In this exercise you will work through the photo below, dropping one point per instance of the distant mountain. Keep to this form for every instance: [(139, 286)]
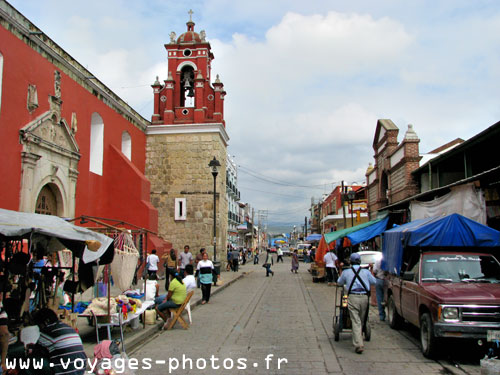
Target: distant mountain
[(279, 229)]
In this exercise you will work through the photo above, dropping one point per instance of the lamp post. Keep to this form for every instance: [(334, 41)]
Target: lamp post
[(350, 196), (214, 166)]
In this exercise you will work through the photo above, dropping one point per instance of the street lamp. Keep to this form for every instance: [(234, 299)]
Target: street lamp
[(351, 194), (214, 166)]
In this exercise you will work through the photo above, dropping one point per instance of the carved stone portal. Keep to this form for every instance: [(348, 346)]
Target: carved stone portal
[(50, 158)]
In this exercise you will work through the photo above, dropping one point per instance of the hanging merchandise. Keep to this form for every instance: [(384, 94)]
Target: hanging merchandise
[(124, 261)]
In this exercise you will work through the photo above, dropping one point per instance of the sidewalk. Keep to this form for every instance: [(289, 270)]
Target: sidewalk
[(134, 337)]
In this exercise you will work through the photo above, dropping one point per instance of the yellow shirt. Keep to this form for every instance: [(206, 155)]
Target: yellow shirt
[(178, 291)]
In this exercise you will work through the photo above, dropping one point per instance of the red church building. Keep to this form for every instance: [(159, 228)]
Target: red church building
[(70, 146)]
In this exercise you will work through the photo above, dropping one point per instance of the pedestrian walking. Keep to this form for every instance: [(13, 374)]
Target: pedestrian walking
[(229, 265), (170, 263), (280, 255), (256, 257), (295, 261), (268, 263), (307, 258), (205, 272), (379, 288), (312, 255), (198, 258), (357, 280), (152, 261), (331, 269), (243, 255), (235, 260), (185, 258)]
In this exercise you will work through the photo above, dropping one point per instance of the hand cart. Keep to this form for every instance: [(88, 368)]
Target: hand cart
[(341, 319)]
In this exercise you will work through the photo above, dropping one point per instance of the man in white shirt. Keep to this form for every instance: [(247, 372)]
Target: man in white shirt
[(331, 269), (185, 258), (189, 280), (152, 262)]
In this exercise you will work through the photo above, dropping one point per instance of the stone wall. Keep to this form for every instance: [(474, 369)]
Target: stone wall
[(177, 166)]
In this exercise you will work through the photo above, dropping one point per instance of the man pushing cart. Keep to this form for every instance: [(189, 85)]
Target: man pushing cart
[(358, 282)]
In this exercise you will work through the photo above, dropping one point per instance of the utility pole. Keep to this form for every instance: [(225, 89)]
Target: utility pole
[(342, 194), (261, 216), (305, 228)]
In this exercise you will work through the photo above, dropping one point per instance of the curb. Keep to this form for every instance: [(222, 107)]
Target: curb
[(148, 334)]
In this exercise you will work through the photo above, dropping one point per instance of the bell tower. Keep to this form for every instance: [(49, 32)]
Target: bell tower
[(187, 131), (186, 96)]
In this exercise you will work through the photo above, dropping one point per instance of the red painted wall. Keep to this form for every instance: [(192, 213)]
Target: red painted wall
[(122, 192)]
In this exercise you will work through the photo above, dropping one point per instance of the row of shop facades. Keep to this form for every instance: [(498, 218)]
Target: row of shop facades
[(460, 176), (71, 147)]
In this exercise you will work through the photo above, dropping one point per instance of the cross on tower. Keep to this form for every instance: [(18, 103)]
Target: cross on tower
[(190, 15)]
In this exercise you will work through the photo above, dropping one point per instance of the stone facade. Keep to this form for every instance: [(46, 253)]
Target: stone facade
[(177, 167)]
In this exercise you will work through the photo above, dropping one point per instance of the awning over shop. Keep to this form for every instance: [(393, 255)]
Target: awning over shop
[(368, 232), (314, 237), (363, 236), (452, 230), (15, 224)]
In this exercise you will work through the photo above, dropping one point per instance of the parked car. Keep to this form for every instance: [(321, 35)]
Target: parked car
[(302, 249), (286, 251), (369, 257)]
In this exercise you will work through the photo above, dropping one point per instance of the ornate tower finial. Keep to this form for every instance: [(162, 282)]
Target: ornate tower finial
[(190, 15)]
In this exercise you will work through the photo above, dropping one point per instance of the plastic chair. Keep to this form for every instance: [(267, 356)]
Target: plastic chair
[(188, 310)]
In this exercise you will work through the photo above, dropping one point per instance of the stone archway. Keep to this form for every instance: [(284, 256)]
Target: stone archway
[(49, 162), (47, 201)]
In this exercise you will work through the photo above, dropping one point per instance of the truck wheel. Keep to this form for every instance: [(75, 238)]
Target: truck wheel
[(395, 319), (427, 338)]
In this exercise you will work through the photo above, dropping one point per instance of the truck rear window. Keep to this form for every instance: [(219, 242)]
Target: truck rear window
[(460, 268)]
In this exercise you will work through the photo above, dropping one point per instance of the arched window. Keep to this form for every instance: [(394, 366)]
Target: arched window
[(127, 145), (96, 144), (1, 76), (187, 86)]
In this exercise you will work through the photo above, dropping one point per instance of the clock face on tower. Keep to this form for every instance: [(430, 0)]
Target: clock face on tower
[(163, 98), (210, 97)]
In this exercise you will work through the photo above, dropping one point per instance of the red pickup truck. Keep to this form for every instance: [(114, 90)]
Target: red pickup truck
[(448, 294)]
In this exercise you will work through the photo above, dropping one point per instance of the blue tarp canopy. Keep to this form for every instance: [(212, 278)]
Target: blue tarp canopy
[(369, 232), (452, 230), (314, 237), (333, 236)]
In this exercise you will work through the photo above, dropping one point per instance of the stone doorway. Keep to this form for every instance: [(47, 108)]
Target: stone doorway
[(46, 202)]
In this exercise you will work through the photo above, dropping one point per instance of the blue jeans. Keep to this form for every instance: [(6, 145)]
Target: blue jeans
[(379, 289), (268, 269), (255, 259)]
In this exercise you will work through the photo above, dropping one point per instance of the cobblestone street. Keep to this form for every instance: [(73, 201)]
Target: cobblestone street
[(286, 319)]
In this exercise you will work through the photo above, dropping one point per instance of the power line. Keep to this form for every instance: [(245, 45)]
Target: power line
[(278, 182), (268, 192)]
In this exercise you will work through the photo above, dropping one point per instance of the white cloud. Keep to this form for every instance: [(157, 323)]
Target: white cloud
[(305, 81)]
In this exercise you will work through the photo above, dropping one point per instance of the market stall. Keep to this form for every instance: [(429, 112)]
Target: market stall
[(343, 241), (43, 256)]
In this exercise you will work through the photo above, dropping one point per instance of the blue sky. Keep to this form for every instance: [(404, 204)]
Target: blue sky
[(306, 81)]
